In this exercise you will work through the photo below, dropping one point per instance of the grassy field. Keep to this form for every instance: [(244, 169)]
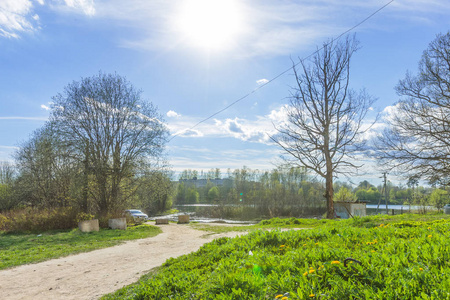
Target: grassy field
[(18, 249), (379, 257)]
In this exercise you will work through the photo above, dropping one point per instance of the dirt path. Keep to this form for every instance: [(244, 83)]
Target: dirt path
[(93, 274)]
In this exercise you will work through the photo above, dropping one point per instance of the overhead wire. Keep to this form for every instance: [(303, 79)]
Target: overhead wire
[(284, 72)]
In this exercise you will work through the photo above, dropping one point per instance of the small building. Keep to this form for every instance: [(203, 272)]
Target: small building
[(346, 210)]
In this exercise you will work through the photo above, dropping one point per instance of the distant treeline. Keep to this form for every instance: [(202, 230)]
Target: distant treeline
[(288, 191)]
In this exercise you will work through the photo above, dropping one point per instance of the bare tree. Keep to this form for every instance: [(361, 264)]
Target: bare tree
[(418, 138), (112, 131), (325, 117), (45, 170)]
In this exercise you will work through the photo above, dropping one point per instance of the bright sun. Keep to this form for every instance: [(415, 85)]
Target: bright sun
[(209, 24)]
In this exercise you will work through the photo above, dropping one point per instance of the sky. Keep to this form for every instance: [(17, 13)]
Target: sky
[(193, 58)]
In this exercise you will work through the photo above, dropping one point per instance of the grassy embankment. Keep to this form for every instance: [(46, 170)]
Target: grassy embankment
[(400, 257), (23, 248)]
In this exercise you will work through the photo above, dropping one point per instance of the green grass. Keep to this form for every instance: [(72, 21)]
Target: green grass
[(396, 257), (19, 249)]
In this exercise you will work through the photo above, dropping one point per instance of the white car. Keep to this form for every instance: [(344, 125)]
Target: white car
[(136, 214)]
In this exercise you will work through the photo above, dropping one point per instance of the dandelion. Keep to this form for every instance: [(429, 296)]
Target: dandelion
[(421, 269), (311, 271), (306, 273), (335, 262), (429, 227), (284, 298), (311, 295), (282, 246), (278, 296), (317, 243), (429, 235), (373, 251)]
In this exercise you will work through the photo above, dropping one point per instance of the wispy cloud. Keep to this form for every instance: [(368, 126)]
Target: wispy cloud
[(15, 17), (9, 147), (262, 81), (205, 159), (18, 16), (25, 118), (270, 28)]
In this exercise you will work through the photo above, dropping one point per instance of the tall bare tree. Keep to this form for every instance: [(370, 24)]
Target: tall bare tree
[(325, 117), (45, 170), (112, 130), (418, 138)]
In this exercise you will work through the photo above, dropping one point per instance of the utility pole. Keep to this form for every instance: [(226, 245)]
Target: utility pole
[(385, 192)]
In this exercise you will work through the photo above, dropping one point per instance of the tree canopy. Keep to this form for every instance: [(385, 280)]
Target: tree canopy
[(418, 138)]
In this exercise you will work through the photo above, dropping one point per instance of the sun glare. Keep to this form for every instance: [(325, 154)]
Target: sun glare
[(209, 23)]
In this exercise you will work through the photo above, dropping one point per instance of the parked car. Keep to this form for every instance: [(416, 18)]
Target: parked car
[(136, 215)]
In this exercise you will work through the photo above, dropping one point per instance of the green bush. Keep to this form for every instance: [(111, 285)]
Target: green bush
[(38, 220), (82, 216)]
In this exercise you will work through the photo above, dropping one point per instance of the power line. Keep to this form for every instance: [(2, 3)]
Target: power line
[(285, 71)]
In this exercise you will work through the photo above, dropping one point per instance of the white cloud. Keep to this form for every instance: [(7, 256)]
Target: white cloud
[(258, 131), (25, 118), (14, 17), (45, 107), (262, 81), (189, 133), (86, 6), (173, 114), (17, 16)]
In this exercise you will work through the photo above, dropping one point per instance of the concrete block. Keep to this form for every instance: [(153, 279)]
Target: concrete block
[(183, 219), (89, 225), (120, 223), (162, 221)]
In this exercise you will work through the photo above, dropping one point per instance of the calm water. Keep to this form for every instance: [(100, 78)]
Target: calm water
[(398, 207), (202, 213), (210, 213)]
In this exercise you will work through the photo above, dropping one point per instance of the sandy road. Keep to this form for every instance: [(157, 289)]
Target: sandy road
[(93, 274)]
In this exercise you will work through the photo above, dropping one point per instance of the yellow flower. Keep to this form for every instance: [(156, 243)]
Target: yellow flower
[(284, 298), (335, 262), (306, 273), (429, 235), (317, 243), (278, 296), (311, 295), (311, 271), (311, 268), (429, 227), (421, 269), (282, 246), (304, 245), (373, 251)]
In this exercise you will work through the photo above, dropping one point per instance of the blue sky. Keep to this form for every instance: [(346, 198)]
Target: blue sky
[(192, 58)]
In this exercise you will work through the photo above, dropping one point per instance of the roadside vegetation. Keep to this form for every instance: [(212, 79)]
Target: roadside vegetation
[(24, 248), (377, 257)]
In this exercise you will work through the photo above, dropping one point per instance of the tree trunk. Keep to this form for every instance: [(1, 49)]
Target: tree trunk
[(329, 195)]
